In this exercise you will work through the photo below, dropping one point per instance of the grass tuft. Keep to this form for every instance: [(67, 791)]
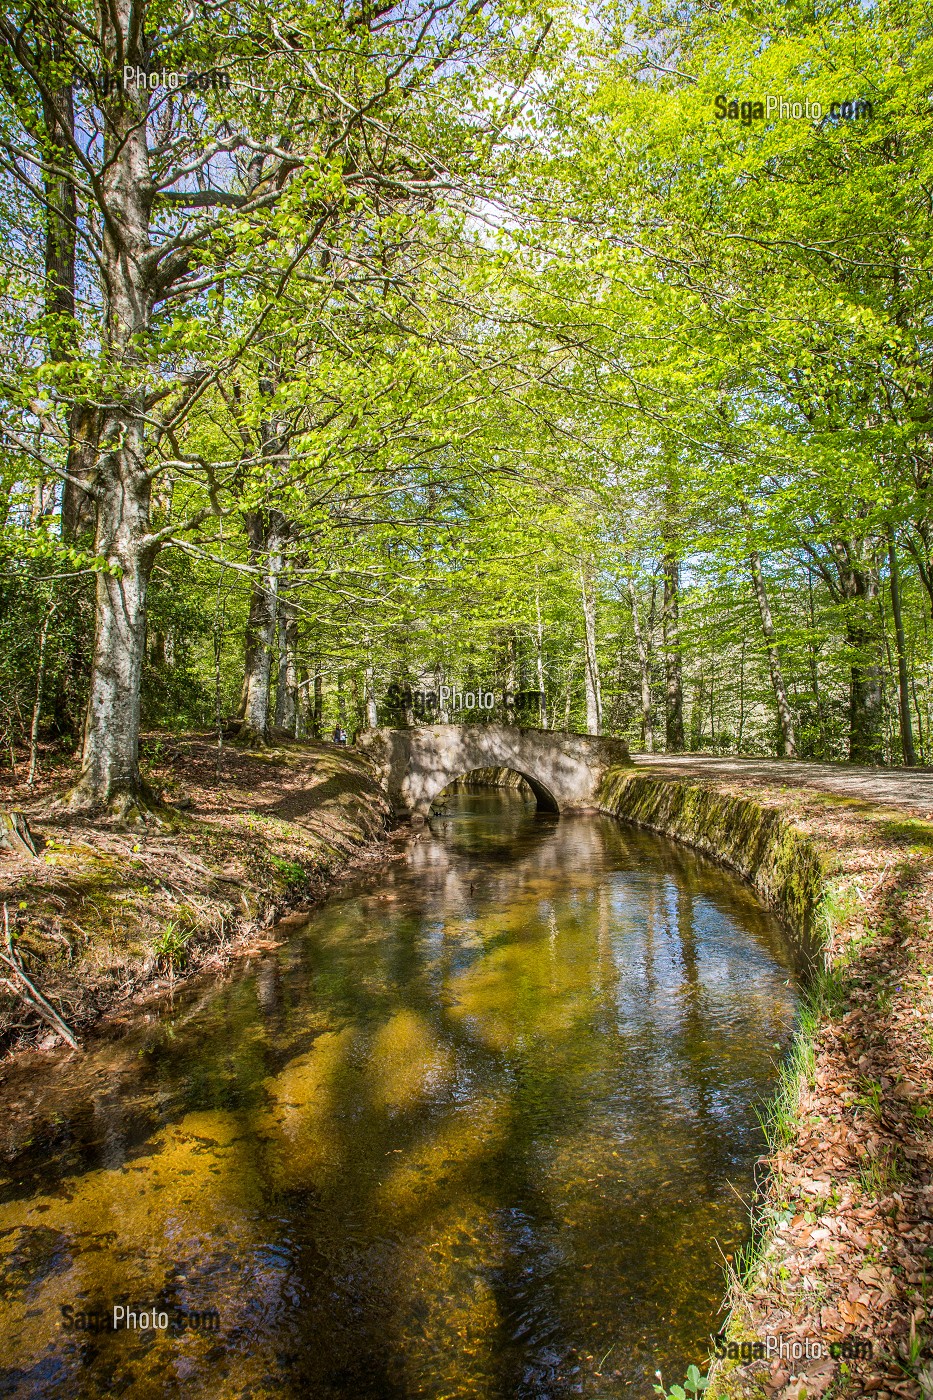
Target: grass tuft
[(171, 946)]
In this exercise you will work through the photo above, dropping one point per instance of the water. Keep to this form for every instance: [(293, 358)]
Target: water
[(483, 1126)]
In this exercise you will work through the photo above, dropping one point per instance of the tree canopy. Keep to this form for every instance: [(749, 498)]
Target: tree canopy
[(354, 351)]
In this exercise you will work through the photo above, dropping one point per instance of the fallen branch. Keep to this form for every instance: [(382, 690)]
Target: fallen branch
[(30, 994)]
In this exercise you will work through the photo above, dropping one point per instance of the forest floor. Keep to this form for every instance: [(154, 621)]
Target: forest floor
[(106, 917), (843, 1247)]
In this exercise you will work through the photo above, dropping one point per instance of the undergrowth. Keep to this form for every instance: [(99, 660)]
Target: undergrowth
[(171, 946), (294, 875)]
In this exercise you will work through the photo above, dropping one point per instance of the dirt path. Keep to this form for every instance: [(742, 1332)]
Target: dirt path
[(909, 790)]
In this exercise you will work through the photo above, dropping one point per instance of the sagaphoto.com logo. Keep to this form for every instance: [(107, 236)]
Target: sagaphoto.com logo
[(770, 108), (135, 79)]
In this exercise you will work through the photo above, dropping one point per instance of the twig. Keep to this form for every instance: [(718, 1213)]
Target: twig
[(33, 997)]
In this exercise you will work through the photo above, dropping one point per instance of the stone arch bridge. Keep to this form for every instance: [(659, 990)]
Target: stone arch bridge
[(564, 771)]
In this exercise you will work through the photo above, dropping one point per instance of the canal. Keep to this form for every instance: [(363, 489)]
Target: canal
[(484, 1125)]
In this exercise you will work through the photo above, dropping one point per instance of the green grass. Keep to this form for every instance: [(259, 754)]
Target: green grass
[(914, 832), (778, 1119), (881, 1173), (870, 1096), (171, 946)]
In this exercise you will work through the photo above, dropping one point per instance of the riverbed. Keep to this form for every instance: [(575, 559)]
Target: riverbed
[(484, 1125)]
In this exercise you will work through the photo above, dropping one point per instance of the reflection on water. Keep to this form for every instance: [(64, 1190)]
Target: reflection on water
[(474, 1130)]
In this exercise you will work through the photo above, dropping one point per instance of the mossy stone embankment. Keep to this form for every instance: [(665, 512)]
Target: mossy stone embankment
[(833, 1295), (108, 914)]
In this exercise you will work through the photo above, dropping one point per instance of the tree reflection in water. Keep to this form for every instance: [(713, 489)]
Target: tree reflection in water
[(471, 1130)]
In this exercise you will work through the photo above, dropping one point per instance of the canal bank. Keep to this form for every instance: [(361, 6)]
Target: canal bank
[(106, 916), (469, 1129), (841, 1238), (842, 1234)]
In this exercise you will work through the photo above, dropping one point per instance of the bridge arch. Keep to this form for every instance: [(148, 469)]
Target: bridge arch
[(545, 799), (563, 770)]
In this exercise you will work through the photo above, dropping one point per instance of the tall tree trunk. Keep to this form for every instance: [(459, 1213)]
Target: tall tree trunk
[(813, 661), (303, 712), (673, 668), (286, 689), (37, 707), (592, 690), (110, 757), (921, 550), (61, 224), (644, 669), (77, 513), (122, 486), (266, 533), (568, 693), (257, 640), (369, 698), (785, 715), (318, 721), (77, 506), (697, 713), (539, 659), (741, 729), (859, 585), (253, 619), (907, 736), (510, 678), (913, 687)]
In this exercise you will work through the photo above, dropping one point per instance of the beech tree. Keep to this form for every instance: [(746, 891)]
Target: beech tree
[(200, 157), (429, 353)]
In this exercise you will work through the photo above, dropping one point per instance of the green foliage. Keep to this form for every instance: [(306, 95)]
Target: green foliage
[(294, 875), (779, 1118), (171, 946), (590, 338), (695, 1384), (881, 1173), (29, 599)]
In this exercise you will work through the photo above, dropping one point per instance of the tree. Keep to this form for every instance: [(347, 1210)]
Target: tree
[(190, 202)]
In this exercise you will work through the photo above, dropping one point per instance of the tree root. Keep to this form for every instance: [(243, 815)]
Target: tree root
[(136, 805), (249, 737)]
